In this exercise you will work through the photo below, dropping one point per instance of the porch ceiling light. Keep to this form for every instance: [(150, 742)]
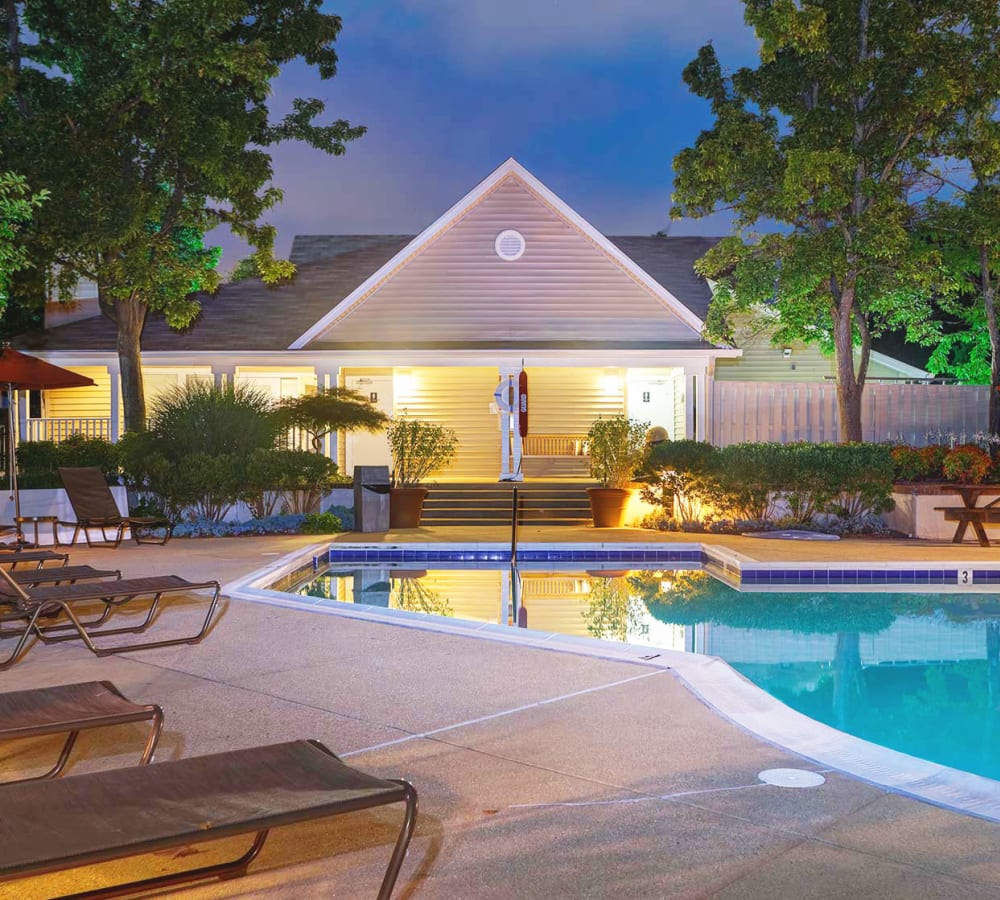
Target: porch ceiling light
[(509, 245)]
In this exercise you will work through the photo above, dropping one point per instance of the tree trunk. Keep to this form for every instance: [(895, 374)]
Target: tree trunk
[(129, 316), (849, 386), (989, 303)]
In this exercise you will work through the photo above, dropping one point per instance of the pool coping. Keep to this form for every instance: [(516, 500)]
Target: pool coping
[(709, 678)]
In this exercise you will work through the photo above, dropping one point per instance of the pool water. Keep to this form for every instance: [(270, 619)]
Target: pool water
[(916, 672)]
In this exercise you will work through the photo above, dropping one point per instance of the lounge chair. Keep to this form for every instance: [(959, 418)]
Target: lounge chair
[(51, 826), (60, 575), (53, 575), (33, 607), (95, 507), (69, 709), (15, 558)]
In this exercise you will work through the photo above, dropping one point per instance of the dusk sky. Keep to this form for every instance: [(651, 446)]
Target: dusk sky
[(587, 94)]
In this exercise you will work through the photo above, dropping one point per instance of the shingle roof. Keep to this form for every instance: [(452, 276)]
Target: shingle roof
[(249, 315)]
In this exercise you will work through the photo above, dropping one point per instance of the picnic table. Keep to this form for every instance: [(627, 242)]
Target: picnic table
[(970, 513)]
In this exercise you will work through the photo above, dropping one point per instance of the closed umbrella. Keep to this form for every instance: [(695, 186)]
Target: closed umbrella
[(20, 372)]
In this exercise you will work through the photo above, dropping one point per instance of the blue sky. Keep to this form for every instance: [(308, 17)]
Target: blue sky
[(587, 94)]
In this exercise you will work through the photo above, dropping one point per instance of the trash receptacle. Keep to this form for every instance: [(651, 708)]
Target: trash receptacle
[(371, 498)]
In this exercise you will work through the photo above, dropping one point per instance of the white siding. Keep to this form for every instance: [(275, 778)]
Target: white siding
[(457, 398), (457, 289), (569, 401), (82, 402)]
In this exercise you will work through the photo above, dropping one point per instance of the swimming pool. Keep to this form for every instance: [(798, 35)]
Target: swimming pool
[(904, 666)]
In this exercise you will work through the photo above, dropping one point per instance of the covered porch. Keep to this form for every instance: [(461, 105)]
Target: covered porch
[(566, 395)]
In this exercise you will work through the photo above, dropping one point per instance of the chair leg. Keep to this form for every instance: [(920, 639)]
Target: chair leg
[(58, 767), (154, 736), (232, 869), (402, 842)]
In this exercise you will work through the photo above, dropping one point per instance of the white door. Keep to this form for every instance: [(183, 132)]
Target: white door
[(651, 399), (365, 448)]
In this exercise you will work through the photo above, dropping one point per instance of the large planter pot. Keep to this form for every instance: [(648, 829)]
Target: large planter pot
[(607, 505), (405, 506)]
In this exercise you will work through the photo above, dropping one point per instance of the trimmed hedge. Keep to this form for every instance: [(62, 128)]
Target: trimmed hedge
[(837, 485)]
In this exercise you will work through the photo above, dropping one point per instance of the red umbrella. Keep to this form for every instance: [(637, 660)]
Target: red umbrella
[(20, 372)]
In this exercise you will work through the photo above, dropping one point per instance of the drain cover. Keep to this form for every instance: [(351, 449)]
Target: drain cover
[(791, 778)]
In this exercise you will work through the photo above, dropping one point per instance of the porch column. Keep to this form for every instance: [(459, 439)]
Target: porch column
[(23, 402), (696, 402), (328, 377), (114, 425), (224, 375)]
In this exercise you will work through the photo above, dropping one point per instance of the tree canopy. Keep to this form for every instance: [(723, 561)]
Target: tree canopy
[(329, 410), (829, 143), (17, 206), (150, 124)]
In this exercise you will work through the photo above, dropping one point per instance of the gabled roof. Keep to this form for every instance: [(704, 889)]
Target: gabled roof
[(249, 315), (509, 172), (336, 271)]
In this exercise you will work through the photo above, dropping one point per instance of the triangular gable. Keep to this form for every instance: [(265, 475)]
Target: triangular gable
[(448, 283)]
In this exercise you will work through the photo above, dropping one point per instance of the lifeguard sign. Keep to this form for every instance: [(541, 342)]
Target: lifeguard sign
[(512, 404)]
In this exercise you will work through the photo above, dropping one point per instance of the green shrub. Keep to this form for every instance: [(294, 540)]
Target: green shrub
[(966, 464), (617, 449), (909, 463), (194, 458), (418, 448), (750, 478), (860, 478), (305, 478), (933, 457), (202, 418), (808, 482), (321, 523), (38, 462), (682, 474)]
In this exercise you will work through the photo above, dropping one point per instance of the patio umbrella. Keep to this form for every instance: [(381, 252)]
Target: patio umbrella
[(20, 372)]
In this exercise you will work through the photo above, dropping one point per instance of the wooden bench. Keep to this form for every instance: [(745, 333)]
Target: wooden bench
[(69, 709), (51, 826), (976, 516)]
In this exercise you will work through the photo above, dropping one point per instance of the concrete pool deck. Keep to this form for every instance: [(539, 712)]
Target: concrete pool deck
[(541, 773)]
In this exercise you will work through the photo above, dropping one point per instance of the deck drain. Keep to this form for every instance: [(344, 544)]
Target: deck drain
[(791, 778)]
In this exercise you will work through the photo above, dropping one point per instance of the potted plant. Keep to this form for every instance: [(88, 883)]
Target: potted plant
[(617, 447), (417, 448)]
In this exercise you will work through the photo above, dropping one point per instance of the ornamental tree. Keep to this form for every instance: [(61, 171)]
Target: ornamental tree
[(330, 410), (828, 143), (150, 123)]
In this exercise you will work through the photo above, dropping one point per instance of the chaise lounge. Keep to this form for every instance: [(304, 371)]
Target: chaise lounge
[(51, 826), (34, 606), (95, 508), (69, 709)]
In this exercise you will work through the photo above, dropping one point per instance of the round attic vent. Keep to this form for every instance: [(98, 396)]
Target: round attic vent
[(509, 245)]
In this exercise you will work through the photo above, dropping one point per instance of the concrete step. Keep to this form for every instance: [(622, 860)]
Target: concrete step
[(541, 503)]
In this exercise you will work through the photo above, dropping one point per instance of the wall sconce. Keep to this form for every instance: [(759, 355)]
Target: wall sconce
[(403, 383), (612, 384), (786, 352)]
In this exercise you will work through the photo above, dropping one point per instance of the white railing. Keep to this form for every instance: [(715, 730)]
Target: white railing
[(555, 445), (60, 429)]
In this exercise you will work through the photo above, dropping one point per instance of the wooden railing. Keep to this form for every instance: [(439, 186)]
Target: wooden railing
[(555, 445), (60, 429)]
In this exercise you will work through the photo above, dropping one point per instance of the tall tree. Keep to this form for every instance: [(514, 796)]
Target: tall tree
[(150, 122), (828, 142), (968, 227), (17, 206)]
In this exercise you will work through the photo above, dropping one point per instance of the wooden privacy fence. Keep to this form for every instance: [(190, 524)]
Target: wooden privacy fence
[(788, 412)]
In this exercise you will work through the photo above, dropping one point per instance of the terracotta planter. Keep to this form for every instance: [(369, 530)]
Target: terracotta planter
[(607, 505), (406, 506)]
